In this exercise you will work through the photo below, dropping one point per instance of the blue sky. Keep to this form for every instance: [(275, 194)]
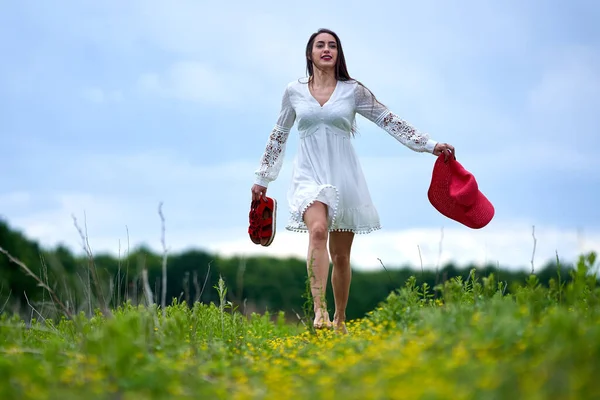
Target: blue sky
[(107, 109)]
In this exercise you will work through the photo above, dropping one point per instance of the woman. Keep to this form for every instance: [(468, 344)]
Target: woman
[(328, 196)]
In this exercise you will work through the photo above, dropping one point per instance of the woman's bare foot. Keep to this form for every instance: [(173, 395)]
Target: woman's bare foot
[(340, 328), (339, 324), (321, 319)]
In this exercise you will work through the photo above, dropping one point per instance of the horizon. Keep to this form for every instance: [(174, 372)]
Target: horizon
[(123, 251)]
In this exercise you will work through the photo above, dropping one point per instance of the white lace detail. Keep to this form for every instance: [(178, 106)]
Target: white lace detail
[(367, 105), (404, 132), (358, 230), (296, 223), (272, 159)]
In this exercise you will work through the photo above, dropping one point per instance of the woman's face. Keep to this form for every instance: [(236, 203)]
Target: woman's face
[(324, 51)]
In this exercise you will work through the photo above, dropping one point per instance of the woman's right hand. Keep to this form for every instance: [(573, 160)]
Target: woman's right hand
[(445, 148), (258, 191)]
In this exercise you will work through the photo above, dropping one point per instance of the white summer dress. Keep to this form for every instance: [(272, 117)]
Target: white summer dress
[(326, 167)]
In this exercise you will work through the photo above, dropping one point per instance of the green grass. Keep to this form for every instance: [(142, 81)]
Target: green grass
[(472, 341)]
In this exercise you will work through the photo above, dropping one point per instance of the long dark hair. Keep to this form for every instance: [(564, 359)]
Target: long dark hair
[(341, 70)]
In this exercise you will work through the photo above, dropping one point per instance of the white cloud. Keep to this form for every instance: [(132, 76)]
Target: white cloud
[(569, 81), (185, 26), (213, 216), (55, 224), (14, 199), (508, 246), (149, 82), (100, 96), (197, 81), (259, 38)]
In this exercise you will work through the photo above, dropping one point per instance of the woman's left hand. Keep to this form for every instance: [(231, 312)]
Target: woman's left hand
[(445, 148)]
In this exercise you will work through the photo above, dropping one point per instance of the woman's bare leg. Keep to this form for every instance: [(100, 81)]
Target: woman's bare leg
[(340, 244), (315, 218)]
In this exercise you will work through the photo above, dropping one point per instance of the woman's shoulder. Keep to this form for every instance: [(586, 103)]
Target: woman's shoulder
[(349, 84), (304, 81), (296, 83), (294, 86)]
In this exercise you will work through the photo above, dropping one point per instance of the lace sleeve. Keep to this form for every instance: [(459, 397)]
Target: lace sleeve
[(272, 159), (374, 111)]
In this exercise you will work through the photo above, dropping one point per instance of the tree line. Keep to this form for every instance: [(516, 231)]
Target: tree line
[(55, 281)]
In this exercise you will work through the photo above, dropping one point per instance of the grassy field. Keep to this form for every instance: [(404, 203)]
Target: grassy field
[(470, 341)]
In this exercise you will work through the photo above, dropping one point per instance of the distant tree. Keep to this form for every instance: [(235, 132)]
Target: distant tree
[(254, 284)]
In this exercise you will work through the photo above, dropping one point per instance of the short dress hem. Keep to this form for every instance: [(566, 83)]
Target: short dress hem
[(329, 195), (356, 230)]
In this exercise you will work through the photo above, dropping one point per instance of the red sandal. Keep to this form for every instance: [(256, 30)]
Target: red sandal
[(255, 222), (269, 213), (262, 221)]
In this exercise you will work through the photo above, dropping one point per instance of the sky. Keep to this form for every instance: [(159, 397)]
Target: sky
[(108, 109)]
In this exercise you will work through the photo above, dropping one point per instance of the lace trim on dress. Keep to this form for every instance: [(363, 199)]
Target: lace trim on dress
[(297, 224), (272, 158), (403, 131), (358, 230)]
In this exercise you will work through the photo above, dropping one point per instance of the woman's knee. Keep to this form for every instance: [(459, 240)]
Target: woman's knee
[(340, 246), (340, 260), (318, 231), (315, 219)]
